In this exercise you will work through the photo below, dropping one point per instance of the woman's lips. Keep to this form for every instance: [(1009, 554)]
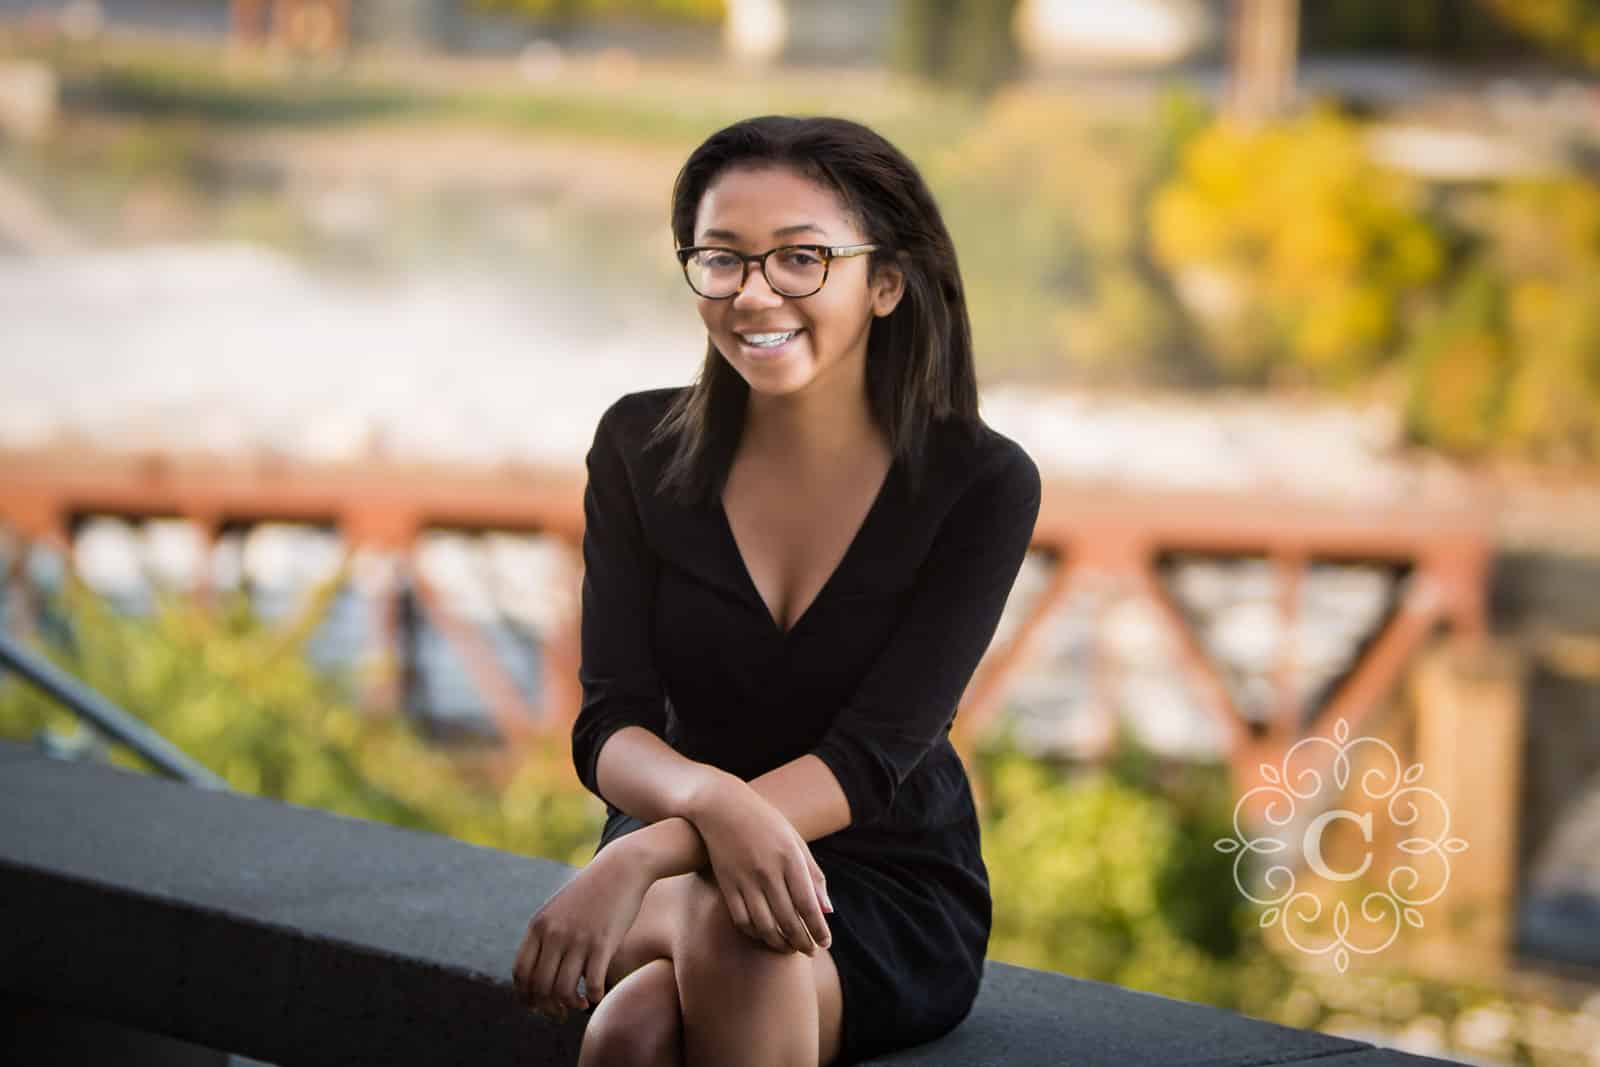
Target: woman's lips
[(769, 352)]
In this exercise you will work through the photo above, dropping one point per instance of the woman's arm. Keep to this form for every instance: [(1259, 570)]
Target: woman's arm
[(744, 835), (616, 669), (906, 702), (650, 780), (647, 778)]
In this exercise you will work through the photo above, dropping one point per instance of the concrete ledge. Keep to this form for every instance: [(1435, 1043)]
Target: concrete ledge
[(301, 937)]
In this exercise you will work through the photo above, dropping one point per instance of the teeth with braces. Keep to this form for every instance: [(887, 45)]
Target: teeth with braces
[(767, 340)]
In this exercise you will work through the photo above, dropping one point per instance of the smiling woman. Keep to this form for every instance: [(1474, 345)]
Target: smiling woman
[(792, 568)]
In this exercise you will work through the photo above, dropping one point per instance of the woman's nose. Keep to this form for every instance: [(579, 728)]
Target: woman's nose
[(756, 292)]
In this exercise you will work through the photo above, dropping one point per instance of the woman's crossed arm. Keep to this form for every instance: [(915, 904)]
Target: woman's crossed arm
[(752, 834)]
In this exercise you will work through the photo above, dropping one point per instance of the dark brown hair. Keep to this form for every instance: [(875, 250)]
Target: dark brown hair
[(919, 356)]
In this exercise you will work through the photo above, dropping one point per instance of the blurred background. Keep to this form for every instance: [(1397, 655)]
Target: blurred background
[(308, 309)]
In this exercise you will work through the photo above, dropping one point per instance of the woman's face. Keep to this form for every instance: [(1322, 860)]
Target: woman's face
[(752, 209)]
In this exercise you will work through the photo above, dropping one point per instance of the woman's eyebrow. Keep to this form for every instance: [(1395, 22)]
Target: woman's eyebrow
[(784, 231)]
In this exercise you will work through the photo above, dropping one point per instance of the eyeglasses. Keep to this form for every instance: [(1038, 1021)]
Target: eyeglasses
[(799, 270)]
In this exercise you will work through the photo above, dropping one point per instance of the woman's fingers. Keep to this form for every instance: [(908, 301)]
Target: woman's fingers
[(819, 879), (525, 974), (737, 912), (566, 990), (594, 976), (789, 896), (526, 969), (802, 891), (791, 928), (544, 976), (746, 908), (761, 919)]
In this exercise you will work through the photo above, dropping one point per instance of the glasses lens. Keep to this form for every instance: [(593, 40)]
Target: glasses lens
[(792, 271), (713, 272), (796, 271)]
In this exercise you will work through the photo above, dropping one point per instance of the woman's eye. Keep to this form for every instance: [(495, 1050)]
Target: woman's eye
[(718, 260), (801, 257)]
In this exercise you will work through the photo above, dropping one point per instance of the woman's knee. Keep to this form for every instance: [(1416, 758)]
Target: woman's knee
[(711, 948), (654, 931), (638, 1022)]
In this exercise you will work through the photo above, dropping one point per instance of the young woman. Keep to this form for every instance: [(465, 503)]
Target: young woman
[(792, 568)]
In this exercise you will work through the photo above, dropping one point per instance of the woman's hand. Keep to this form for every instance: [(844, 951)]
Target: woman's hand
[(577, 931), (774, 890)]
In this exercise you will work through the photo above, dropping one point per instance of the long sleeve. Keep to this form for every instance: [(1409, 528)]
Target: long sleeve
[(617, 669), (908, 699)]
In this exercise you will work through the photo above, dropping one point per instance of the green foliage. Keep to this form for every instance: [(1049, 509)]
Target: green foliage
[(1459, 368), (1098, 874), (242, 699), (1512, 358)]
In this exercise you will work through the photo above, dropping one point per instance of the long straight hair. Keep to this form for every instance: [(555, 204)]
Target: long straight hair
[(919, 357)]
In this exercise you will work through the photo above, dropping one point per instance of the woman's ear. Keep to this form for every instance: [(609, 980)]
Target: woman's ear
[(888, 286)]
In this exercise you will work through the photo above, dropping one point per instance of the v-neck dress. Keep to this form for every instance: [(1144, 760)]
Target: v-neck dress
[(677, 639)]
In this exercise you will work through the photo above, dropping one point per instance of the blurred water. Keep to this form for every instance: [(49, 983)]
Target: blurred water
[(234, 348)]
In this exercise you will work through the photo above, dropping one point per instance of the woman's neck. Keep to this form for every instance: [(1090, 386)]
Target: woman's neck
[(813, 428)]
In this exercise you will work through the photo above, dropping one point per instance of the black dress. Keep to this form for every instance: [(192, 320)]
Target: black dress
[(676, 638)]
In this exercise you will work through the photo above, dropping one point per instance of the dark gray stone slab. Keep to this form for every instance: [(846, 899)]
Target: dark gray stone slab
[(1025, 1016), (11, 752), (1377, 1057), (246, 924), (302, 937)]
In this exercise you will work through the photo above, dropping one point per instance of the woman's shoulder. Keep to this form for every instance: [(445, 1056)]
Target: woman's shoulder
[(977, 457), (630, 419), (644, 406)]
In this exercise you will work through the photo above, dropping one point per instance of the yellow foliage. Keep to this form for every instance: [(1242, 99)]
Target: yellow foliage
[(1322, 244)]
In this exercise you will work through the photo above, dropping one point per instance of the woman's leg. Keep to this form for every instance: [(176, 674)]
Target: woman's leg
[(636, 1023), (742, 1002), (638, 1019)]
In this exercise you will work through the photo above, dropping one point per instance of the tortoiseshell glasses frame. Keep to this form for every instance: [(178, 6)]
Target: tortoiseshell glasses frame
[(825, 253)]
